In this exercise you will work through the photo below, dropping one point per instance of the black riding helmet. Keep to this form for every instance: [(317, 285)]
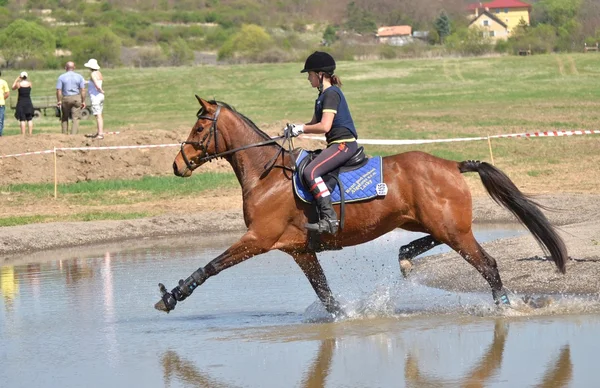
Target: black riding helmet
[(319, 61)]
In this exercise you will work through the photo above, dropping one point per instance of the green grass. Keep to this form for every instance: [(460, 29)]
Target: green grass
[(107, 192), (400, 98), (389, 99), (98, 216)]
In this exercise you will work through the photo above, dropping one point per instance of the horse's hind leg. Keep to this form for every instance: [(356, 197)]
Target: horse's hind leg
[(414, 249), (311, 267), (474, 254)]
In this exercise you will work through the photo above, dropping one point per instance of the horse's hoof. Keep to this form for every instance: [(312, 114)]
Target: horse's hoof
[(167, 301), (161, 306), (406, 268), (539, 302)]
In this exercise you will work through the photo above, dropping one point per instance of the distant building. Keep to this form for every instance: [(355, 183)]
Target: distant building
[(395, 35), (509, 12), (491, 26)]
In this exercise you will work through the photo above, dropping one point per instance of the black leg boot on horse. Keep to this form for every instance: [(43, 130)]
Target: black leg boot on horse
[(328, 220)]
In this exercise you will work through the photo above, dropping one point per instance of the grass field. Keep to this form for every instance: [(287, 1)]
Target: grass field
[(425, 98), (395, 99)]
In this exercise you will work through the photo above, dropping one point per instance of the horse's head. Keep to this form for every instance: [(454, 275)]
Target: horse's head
[(203, 142)]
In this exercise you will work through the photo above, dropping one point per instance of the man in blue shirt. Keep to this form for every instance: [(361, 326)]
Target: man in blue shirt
[(70, 97)]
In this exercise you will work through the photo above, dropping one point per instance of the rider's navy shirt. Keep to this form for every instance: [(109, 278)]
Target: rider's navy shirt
[(342, 128)]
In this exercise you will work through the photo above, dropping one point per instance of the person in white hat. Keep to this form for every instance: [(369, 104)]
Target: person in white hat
[(96, 96), (24, 110)]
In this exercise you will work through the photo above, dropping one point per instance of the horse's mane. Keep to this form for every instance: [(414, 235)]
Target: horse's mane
[(249, 122)]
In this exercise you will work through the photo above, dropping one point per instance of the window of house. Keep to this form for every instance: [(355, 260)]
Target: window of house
[(497, 10), (486, 23), (505, 10), (492, 34)]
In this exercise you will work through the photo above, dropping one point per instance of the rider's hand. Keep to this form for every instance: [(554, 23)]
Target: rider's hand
[(296, 129)]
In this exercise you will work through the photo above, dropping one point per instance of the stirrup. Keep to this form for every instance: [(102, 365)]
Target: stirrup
[(324, 226)]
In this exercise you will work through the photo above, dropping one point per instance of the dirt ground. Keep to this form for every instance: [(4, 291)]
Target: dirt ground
[(520, 260)]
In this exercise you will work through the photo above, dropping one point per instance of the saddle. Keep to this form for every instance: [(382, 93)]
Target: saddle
[(359, 179), (357, 160)]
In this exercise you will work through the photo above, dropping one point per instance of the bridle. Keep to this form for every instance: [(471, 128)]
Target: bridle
[(203, 144)]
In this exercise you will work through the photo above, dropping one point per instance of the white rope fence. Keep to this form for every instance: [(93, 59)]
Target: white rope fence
[(525, 135)]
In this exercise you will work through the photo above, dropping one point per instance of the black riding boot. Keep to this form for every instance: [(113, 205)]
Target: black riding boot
[(328, 222)]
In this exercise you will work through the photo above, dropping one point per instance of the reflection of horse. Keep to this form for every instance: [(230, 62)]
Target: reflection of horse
[(558, 374), (185, 371), (426, 194)]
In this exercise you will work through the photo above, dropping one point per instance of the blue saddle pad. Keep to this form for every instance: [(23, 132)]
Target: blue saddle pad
[(359, 184)]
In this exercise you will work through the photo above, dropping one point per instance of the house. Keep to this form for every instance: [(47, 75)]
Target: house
[(395, 35), (491, 26), (510, 12)]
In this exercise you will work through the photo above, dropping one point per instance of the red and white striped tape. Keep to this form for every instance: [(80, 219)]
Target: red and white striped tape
[(362, 141), (92, 149), (427, 141), (549, 134), (27, 153), (118, 147)]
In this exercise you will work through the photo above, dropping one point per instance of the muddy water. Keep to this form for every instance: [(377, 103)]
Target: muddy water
[(85, 319)]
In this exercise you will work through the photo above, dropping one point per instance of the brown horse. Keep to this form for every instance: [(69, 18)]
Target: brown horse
[(425, 194)]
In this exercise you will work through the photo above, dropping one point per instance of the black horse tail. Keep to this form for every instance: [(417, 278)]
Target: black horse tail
[(505, 193)]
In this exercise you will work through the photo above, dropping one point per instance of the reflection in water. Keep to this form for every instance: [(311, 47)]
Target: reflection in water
[(318, 372), (61, 309), (558, 374), (186, 372), (9, 285)]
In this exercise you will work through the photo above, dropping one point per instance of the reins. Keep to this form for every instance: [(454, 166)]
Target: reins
[(205, 142)]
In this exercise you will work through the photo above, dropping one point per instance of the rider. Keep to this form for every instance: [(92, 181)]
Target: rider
[(332, 118)]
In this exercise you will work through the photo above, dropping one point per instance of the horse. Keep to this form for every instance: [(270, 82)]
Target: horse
[(425, 194)]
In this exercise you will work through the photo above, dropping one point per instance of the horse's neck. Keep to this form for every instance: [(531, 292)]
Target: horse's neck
[(249, 164)]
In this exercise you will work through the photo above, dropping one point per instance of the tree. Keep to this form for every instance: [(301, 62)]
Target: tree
[(360, 20), (23, 40), (330, 35), (99, 43), (178, 52), (442, 26), (249, 42)]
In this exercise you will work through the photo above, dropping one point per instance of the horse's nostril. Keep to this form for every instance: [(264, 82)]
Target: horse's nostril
[(175, 169)]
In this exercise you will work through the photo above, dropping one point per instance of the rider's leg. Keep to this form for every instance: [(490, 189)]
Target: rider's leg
[(334, 156), (328, 222)]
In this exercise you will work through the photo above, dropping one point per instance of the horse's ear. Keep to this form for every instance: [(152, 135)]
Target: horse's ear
[(205, 104)]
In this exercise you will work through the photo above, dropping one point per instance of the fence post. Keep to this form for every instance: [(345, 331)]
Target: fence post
[(55, 177), (490, 146)]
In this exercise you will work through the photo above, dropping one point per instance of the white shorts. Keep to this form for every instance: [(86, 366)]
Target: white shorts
[(97, 104)]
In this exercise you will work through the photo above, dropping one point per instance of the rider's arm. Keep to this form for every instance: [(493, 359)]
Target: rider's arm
[(322, 126), (331, 101)]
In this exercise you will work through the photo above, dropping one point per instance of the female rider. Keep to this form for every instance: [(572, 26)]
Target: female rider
[(332, 118)]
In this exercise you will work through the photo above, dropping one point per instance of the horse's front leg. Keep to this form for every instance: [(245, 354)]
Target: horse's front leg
[(311, 267), (249, 245)]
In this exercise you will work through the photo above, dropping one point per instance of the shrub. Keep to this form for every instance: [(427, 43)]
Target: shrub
[(248, 43), (23, 40)]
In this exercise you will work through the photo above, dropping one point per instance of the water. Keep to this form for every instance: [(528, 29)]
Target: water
[(84, 318)]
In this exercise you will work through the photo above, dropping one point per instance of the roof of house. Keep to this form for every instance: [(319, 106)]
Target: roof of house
[(394, 31), (491, 16), (500, 4)]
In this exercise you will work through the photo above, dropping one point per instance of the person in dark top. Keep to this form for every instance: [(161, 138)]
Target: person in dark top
[(332, 117), (24, 111)]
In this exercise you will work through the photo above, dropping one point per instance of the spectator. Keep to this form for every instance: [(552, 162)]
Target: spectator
[(24, 111), (4, 93), (96, 96), (70, 96)]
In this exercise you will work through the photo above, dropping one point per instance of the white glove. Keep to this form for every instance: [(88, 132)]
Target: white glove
[(297, 129)]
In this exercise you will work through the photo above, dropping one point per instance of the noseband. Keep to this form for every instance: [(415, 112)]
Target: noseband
[(206, 139), (203, 144)]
